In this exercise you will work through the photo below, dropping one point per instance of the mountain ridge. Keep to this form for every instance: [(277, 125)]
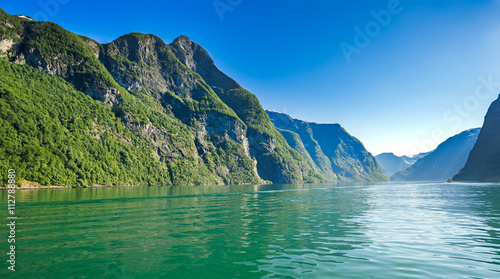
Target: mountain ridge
[(391, 164), (329, 148), (167, 104)]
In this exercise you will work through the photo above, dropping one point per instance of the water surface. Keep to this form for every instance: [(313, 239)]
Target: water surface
[(386, 230)]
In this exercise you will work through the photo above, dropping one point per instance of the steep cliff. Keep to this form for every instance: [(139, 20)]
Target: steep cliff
[(183, 71), (194, 121), (337, 155), (483, 163)]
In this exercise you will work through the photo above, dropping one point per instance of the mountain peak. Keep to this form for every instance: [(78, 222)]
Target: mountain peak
[(185, 44), (138, 37), (197, 59), (183, 39)]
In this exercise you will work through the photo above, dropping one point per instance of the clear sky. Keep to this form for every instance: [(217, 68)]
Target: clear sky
[(402, 76)]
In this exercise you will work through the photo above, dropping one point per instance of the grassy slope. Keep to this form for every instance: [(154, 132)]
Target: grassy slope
[(349, 158), (291, 165), (293, 139), (50, 134)]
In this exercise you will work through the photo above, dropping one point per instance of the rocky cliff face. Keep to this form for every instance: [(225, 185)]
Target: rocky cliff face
[(330, 149), (198, 60), (51, 49), (442, 163), (483, 163), (173, 97), (266, 145)]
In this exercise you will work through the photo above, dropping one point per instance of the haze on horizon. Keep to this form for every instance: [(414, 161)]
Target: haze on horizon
[(401, 76)]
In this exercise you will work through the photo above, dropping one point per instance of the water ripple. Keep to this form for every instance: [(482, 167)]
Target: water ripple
[(289, 231)]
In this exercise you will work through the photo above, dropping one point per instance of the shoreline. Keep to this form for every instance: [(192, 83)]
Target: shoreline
[(69, 187), (111, 186), (4, 188)]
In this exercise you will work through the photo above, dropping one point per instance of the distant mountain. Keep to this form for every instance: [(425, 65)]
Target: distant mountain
[(328, 149), (484, 159), (442, 163), (392, 164)]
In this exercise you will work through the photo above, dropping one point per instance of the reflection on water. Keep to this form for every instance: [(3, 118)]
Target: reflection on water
[(267, 231)]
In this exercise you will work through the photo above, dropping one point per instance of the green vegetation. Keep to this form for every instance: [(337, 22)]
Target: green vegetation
[(225, 158), (349, 158), (78, 127), (59, 136), (54, 135), (58, 46), (160, 63), (194, 97), (229, 160), (10, 26), (330, 150), (248, 108), (293, 139), (292, 167), (60, 50)]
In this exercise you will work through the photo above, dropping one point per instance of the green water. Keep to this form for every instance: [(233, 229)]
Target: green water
[(272, 231)]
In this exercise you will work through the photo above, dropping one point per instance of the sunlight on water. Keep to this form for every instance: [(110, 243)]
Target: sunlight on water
[(271, 231)]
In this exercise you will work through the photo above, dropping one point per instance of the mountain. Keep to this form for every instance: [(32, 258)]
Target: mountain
[(135, 111), (328, 149), (484, 159), (392, 164), (413, 159), (442, 163)]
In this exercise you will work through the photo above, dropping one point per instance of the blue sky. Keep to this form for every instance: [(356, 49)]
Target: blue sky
[(401, 76)]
